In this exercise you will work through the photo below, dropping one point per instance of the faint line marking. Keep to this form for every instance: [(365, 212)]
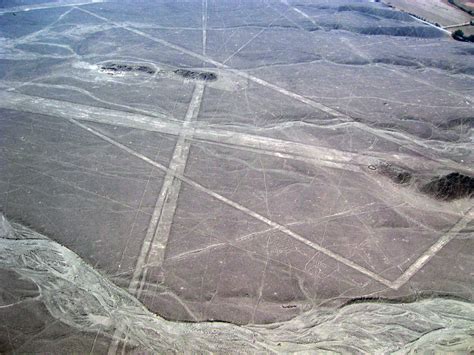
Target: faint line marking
[(298, 97), (204, 26), (159, 227), (28, 37), (237, 206), (160, 224), (391, 284), (435, 248), (50, 5), (84, 116), (242, 47), (302, 13), (288, 18), (63, 109), (270, 146), (332, 112)]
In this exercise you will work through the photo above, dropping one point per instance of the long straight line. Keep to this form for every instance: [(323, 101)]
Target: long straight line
[(160, 224), (253, 38), (204, 26), (415, 267), (19, 102), (159, 227), (243, 74), (435, 248), (48, 5), (330, 111), (302, 13), (63, 109), (239, 207), (311, 154)]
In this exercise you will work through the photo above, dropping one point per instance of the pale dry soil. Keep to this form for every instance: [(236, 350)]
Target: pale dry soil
[(275, 165)]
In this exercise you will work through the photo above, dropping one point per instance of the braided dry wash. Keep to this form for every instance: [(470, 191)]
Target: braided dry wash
[(79, 296)]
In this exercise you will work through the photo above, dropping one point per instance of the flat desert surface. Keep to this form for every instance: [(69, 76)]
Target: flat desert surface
[(234, 176), (435, 11)]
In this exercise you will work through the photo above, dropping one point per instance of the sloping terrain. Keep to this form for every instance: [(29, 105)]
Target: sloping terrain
[(268, 164), (69, 292), (435, 11)]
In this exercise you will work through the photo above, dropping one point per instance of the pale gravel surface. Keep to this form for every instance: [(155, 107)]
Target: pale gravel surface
[(305, 159), (79, 296)]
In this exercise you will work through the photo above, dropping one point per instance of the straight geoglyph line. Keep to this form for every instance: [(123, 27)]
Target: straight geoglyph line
[(337, 114), (204, 26), (239, 207), (48, 107), (160, 224), (312, 154), (392, 284), (435, 248), (243, 74), (46, 6), (159, 227)]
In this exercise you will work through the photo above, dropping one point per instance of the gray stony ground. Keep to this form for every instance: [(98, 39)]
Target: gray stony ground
[(268, 164), (93, 309)]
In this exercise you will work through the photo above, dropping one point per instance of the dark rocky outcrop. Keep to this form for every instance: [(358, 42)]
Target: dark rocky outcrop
[(459, 35), (124, 68), (394, 173), (450, 187), (446, 187), (196, 75)]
